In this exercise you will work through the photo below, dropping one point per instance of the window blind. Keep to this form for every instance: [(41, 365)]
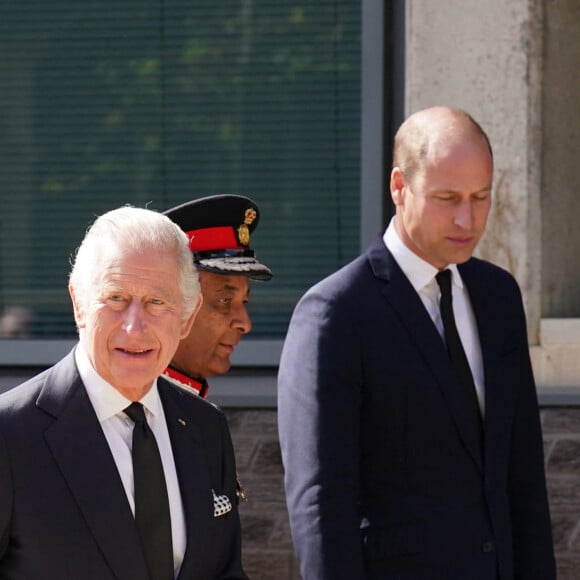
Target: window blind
[(108, 102)]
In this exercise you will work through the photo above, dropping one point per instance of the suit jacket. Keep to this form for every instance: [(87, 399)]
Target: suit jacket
[(63, 510), (382, 477)]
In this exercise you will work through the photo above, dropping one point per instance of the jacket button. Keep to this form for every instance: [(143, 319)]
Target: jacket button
[(487, 547)]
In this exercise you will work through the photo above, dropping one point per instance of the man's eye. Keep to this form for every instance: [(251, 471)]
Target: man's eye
[(116, 301), (225, 301), (156, 301)]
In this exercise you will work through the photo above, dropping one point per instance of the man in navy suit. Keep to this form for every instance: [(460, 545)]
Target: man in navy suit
[(72, 443), (401, 462)]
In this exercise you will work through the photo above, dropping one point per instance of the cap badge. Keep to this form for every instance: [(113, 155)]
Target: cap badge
[(243, 230)]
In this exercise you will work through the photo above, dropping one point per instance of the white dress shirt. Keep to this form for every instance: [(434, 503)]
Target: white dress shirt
[(421, 274), (109, 403)]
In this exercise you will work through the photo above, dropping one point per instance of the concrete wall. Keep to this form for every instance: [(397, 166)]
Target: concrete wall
[(557, 355), (513, 64), (560, 168)]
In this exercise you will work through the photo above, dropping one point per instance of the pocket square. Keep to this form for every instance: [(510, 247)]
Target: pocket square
[(221, 505)]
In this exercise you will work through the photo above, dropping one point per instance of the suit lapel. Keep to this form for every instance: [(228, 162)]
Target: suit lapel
[(422, 332), (193, 475), (84, 458)]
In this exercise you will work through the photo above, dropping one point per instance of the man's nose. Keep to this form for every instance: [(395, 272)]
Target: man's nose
[(134, 317), (464, 215), (242, 320)]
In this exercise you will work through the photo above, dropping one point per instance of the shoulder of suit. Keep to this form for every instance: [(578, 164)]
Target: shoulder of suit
[(342, 281), (24, 394), (486, 267), (483, 272)]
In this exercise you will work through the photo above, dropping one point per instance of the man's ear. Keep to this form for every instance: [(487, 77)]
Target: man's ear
[(187, 324), (79, 312), (397, 184)]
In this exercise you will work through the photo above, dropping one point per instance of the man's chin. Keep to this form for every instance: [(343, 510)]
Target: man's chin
[(459, 256), (219, 367)]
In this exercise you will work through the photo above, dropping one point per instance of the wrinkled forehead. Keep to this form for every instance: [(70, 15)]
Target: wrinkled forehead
[(133, 265)]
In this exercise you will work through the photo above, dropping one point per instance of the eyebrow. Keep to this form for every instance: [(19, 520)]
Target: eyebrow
[(228, 288), (485, 188), (157, 292)]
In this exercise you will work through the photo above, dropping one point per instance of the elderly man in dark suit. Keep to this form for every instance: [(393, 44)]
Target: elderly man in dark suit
[(408, 415), (106, 470)]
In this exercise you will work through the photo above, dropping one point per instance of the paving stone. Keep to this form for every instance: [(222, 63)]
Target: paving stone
[(264, 489), (235, 418), (565, 420), (268, 459), (565, 457), (568, 566), (281, 536), (261, 422), (564, 493), (245, 448), (549, 444), (257, 529), (268, 565), (564, 530)]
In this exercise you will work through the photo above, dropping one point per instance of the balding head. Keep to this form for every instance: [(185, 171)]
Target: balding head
[(429, 130)]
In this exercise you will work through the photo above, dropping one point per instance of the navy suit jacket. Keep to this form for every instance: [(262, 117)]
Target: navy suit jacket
[(63, 509), (383, 478)]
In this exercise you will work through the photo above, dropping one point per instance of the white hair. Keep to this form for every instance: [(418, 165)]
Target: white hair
[(136, 229)]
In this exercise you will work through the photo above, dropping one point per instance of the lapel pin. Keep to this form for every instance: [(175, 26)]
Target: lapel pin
[(182, 422)]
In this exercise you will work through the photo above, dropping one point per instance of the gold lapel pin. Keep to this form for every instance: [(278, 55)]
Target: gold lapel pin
[(182, 422)]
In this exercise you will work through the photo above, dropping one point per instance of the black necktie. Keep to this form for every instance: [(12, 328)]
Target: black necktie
[(151, 502), (458, 357)]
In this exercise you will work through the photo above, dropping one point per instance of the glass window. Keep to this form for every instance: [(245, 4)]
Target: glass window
[(108, 102)]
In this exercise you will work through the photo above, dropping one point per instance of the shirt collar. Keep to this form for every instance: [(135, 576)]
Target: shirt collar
[(198, 386), (106, 400), (419, 272)]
